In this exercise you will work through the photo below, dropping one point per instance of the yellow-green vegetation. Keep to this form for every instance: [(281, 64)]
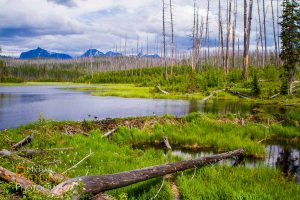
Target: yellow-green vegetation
[(223, 182), (132, 91), (118, 153)]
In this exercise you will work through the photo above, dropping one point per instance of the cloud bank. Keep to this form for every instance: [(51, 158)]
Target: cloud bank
[(73, 26)]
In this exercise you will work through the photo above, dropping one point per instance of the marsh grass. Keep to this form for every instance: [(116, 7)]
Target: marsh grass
[(116, 154), (223, 182)]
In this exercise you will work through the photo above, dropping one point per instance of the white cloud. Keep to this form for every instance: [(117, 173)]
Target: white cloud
[(73, 26)]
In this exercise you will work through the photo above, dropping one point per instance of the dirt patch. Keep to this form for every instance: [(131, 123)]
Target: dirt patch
[(140, 123)]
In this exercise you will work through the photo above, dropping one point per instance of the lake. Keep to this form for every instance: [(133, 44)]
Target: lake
[(24, 104)]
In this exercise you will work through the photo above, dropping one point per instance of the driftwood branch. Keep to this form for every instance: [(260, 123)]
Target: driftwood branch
[(211, 95), (275, 95), (73, 167), (98, 184), (109, 133), (161, 90), (23, 142), (166, 143)]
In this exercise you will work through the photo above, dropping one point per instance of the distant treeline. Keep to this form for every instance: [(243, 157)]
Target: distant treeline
[(14, 70)]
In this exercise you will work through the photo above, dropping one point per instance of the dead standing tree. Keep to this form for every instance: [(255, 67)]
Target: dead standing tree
[(164, 41), (228, 38), (194, 38), (221, 40), (207, 38), (247, 31), (233, 33), (274, 34), (172, 39)]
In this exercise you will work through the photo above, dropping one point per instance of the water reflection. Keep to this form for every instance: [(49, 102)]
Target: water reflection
[(21, 105), (284, 158)]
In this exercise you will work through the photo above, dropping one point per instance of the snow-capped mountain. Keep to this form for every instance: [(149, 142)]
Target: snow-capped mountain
[(42, 53)]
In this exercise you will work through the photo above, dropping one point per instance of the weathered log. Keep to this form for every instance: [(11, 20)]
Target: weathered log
[(23, 183), (161, 90), (23, 142), (211, 95), (166, 143), (12, 155), (30, 152), (275, 95), (238, 94), (101, 183), (5, 153), (109, 133)]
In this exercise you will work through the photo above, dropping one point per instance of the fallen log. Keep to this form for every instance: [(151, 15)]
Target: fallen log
[(166, 144), (23, 142), (238, 94), (109, 133), (12, 155), (101, 183), (161, 90), (211, 95), (23, 183), (30, 152), (275, 95)]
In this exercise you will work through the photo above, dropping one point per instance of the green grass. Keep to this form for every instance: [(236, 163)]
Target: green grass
[(116, 155), (223, 182), (107, 157), (201, 132)]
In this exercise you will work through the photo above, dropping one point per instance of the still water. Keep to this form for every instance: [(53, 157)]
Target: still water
[(23, 104), (283, 157)]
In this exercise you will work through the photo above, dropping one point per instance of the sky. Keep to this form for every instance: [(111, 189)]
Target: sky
[(73, 26)]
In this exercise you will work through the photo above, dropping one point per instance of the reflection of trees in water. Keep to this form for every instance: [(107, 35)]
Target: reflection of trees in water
[(287, 163), (225, 106)]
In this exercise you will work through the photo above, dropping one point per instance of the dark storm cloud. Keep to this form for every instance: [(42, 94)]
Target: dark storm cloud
[(68, 3), (28, 31)]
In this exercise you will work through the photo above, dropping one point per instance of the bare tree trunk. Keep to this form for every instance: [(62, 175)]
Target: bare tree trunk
[(233, 34), (246, 53), (274, 34), (278, 30), (164, 42), (172, 39), (194, 37), (265, 30), (228, 38), (207, 32), (221, 36), (260, 34)]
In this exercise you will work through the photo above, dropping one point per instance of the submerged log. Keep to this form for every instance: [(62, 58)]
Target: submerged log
[(23, 142), (101, 183)]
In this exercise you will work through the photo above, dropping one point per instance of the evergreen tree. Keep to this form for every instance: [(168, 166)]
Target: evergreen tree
[(255, 86), (290, 38)]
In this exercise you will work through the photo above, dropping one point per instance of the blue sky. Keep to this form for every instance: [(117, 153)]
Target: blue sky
[(73, 26)]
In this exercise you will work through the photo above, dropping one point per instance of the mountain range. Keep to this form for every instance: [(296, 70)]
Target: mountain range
[(42, 53)]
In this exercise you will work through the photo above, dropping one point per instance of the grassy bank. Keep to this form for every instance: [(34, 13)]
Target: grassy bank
[(222, 182), (117, 154)]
